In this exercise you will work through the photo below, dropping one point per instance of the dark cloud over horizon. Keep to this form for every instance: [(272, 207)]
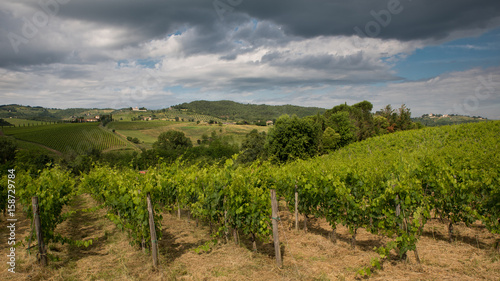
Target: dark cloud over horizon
[(141, 21), (131, 52)]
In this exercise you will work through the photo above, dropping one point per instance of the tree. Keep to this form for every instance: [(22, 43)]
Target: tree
[(172, 140), (403, 121), (330, 139), (4, 123), (252, 146), (398, 120), (7, 150), (293, 138), (381, 124), (221, 147), (169, 146), (343, 125)]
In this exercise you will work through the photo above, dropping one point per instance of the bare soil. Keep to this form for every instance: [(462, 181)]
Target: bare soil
[(306, 256)]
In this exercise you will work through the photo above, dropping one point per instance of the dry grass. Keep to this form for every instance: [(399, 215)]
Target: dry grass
[(306, 256)]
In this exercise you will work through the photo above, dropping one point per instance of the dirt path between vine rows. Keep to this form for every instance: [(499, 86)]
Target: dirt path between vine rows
[(186, 252)]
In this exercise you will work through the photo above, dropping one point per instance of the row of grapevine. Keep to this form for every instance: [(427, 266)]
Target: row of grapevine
[(225, 198), (123, 193), (390, 185), (78, 138), (55, 188)]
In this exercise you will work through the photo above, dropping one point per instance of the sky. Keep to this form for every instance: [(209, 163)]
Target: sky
[(434, 56)]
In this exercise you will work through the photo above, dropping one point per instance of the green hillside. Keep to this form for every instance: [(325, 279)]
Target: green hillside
[(203, 111), (39, 113), (78, 138), (230, 110), (147, 132)]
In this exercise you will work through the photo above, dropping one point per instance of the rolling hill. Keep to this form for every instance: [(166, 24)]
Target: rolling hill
[(230, 110)]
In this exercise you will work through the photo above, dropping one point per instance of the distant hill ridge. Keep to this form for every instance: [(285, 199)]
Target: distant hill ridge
[(224, 109), (432, 120), (46, 114), (231, 110)]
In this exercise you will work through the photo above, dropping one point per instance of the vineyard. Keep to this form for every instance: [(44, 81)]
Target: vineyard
[(24, 122), (389, 187), (65, 138)]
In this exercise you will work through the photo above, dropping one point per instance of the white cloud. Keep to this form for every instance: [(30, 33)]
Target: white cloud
[(80, 61)]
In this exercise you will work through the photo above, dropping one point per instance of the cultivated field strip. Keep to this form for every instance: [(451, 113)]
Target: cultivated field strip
[(78, 138)]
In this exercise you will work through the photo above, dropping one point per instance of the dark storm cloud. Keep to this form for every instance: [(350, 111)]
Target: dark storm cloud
[(409, 20), (212, 32), (320, 62)]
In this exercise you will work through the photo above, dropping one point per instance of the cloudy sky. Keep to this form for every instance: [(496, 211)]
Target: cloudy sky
[(435, 56)]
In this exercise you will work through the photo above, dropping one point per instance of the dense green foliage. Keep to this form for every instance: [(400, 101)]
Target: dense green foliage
[(7, 151), (230, 110), (252, 147), (173, 140), (292, 138)]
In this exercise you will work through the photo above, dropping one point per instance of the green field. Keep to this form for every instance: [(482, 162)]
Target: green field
[(24, 122), (124, 115), (148, 131), (77, 138), (138, 125), (82, 137)]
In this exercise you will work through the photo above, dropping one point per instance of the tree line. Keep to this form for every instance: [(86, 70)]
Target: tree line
[(289, 139)]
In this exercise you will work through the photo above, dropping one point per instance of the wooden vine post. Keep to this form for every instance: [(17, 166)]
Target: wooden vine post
[(38, 229), (154, 241), (178, 209), (296, 209), (274, 218), (401, 225)]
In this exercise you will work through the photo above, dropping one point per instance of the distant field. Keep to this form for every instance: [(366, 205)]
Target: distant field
[(66, 138), (194, 131), (82, 137), (148, 131), (138, 125), (127, 115), (20, 122)]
